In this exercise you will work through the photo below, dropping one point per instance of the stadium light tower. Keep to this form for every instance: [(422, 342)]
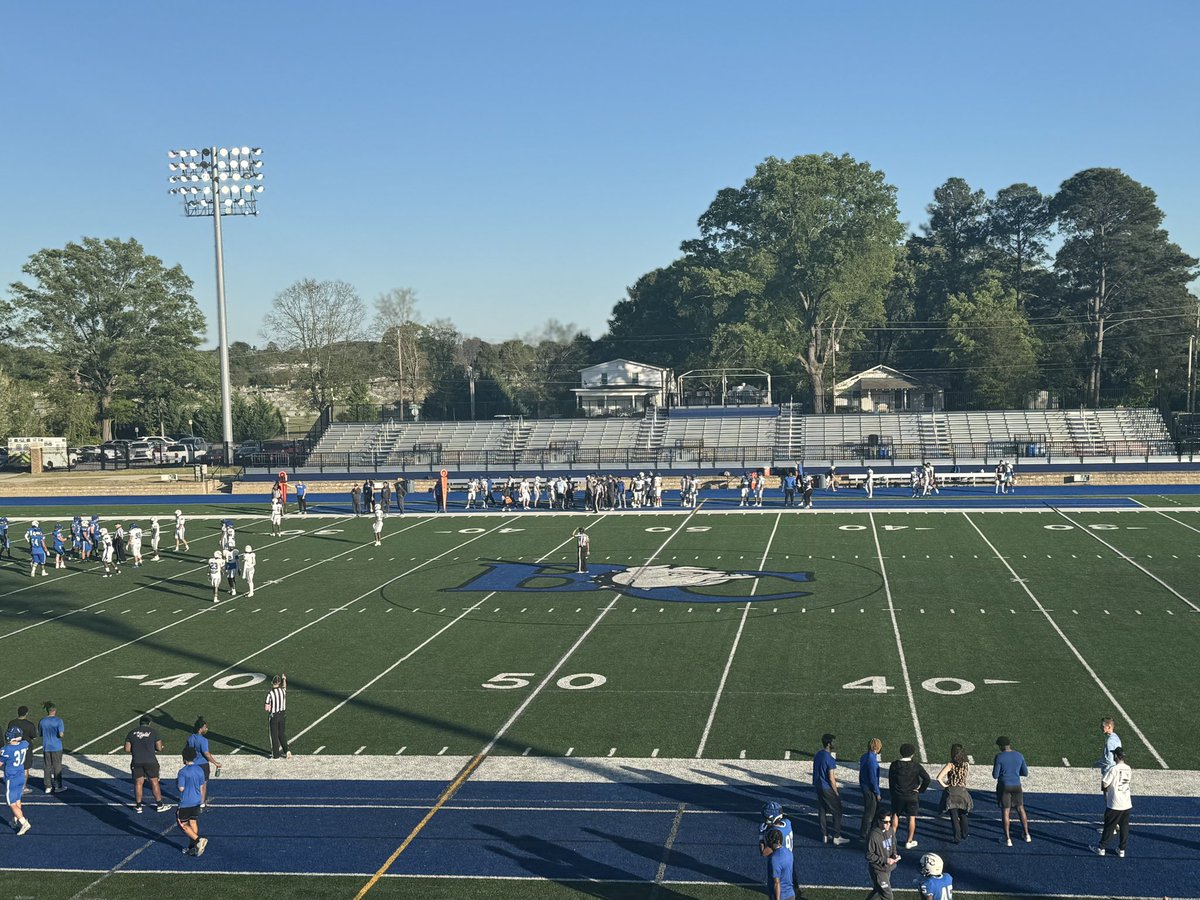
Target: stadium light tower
[(219, 181)]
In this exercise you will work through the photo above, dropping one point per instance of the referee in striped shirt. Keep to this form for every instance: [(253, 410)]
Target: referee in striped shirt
[(276, 708)]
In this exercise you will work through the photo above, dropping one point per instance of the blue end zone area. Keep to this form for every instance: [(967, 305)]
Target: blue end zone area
[(591, 831)]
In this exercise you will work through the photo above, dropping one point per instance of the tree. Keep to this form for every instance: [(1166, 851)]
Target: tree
[(18, 411), (398, 324), (113, 317), (988, 339), (1118, 265), (808, 245), (1018, 226), (320, 321)]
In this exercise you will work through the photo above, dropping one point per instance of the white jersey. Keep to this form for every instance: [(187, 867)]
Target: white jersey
[(154, 534), (180, 526), (135, 537), (276, 512), (1116, 787), (248, 562), (214, 570), (377, 525), (106, 548)]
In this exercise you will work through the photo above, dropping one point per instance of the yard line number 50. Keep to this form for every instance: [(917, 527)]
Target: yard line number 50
[(511, 681)]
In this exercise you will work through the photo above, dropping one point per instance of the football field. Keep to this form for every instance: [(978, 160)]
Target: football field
[(710, 636)]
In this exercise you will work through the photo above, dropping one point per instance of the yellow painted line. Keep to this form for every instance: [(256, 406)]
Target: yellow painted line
[(442, 800)]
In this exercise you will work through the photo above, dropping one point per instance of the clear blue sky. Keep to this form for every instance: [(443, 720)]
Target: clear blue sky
[(522, 161)]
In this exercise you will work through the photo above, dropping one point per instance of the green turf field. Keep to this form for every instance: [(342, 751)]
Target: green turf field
[(925, 627)]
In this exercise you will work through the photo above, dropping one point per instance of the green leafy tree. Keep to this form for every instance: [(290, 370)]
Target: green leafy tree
[(807, 247), (988, 339), (114, 318), (256, 418), (1120, 270), (1019, 223), (18, 409)]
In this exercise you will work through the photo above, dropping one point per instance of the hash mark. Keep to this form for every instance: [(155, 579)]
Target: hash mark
[(442, 751), (318, 750)]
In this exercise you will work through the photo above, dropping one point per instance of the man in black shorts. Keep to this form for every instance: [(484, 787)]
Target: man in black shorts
[(1008, 769), (189, 781), (143, 743), (907, 780)]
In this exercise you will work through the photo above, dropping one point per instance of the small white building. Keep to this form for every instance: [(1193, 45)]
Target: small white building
[(621, 387), (882, 389)]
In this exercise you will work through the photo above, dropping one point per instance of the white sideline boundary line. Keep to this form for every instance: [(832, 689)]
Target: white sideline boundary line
[(421, 646), (887, 587), (1129, 559), (1066, 640), (712, 713), (204, 610), (134, 590), (305, 627)]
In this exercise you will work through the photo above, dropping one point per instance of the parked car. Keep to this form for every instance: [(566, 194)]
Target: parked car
[(176, 454), (246, 451), (3, 457), (115, 449), (142, 451), (89, 453), (199, 447)]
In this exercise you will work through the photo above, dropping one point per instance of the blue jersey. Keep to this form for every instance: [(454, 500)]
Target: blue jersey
[(190, 778), (200, 742), (301, 489), (868, 772), (4, 532), (779, 865), (938, 887), (13, 756), (59, 547), (51, 729), (36, 538), (231, 564), (1009, 768), (783, 825), (823, 764)]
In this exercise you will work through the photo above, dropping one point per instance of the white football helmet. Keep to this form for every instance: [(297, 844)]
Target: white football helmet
[(34, 524), (249, 549), (931, 865), (179, 512)]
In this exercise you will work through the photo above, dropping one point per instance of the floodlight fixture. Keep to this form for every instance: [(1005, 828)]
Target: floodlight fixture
[(211, 167)]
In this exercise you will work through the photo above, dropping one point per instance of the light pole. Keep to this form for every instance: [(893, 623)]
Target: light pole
[(471, 381), (218, 181)]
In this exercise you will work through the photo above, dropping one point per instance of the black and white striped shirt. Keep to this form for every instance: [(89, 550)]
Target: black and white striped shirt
[(277, 700)]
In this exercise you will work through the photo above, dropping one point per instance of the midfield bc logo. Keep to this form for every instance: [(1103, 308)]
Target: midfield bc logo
[(671, 584)]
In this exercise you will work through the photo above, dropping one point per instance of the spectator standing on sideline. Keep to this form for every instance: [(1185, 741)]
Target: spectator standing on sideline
[(584, 548), (276, 708), (881, 856), (780, 865), (28, 733), (401, 493), (190, 782), (1118, 802), (1008, 769), (302, 498), (829, 800), (907, 780), (868, 783), (869, 483), (51, 729), (356, 498), (385, 496), (12, 762), (369, 495), (957, 799), (208, 765), (1111, 742), (143, 743)]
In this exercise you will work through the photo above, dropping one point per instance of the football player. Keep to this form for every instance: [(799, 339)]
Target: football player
[(249, 560), (155, 537), (13, 758), (135, 543), (232, 564), (276, 517), (37, 548), (60, 548), (936, 883), (180, 531), (215, 563), (4, 542)]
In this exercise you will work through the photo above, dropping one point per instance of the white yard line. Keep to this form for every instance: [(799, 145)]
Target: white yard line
[(1066, 640), (407, 656), (887, 589), (315, 621), (1176, 521), (712, 713), (1129, 559), (123, 863), (35, 584)]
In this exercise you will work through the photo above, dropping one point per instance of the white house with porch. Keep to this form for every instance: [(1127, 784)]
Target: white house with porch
[(883, 389), (622, 387)]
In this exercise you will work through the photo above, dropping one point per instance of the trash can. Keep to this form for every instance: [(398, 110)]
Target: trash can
[(821, 482)]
